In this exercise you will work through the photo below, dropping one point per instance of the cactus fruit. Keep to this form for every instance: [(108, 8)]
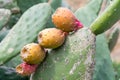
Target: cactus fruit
[(25, 69), (32, 53), (25, 31), (65, 20), (51, 38), (4, 17), (74, 60)]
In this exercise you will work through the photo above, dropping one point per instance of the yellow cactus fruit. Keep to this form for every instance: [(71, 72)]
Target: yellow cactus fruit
[(51, 38), (32, 53)]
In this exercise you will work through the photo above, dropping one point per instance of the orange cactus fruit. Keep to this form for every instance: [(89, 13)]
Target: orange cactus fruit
[(32, 53), (25, 69), (51, 38), (65, 20)]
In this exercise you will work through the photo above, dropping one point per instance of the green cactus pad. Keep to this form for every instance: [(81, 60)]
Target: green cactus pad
[(55, 3), (25, 4), (117, 70), (8, 73), (103, 67), (4, 17), (113, 37), (14, 62), (72, 61), (93, 7), (3, 33), (25, 31), (8, 4)]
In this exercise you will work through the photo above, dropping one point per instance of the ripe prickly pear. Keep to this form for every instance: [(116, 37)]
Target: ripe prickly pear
[(32, 53), (65, 20), (25, 69), (51, 38)]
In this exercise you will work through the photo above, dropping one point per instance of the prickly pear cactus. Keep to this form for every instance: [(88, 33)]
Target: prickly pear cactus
[(55, 4), (72, 61), (25, 31), (75, 59), (25, 4), (3, 33), (85, 17), (8, 69), (102, 57), (4, 17), (10, 73), (112, 38), (13, 62), (103, 68), (8, 4), (117, 70)]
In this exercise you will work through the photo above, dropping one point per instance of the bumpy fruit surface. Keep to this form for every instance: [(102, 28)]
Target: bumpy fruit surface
[(32, 53), (25, 69), (51, 38), (64, 19)]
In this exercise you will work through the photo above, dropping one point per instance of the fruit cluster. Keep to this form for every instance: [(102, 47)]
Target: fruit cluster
[(34, 53)]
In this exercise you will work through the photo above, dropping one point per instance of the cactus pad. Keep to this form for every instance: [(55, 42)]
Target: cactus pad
[(25, 31), (73, 61)]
